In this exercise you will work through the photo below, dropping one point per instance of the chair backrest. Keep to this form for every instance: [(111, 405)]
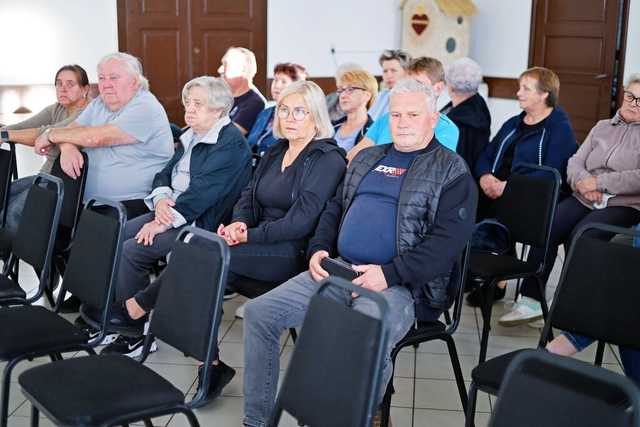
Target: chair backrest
[(93, 261), (459, 277), (543, 389), (38, 224), (7, 164), (191, 294), (599, 289), (73, 195), (335, 371), (528, 205)]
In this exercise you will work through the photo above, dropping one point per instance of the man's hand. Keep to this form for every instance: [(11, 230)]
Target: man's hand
[(593, 196), (234, 233), (164, 215), (317, 272), (149, 231), (587, 185), (42, 144), (372, 277), (71, 160)]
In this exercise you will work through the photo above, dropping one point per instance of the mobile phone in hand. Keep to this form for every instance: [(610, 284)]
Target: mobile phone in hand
[(339, 268)]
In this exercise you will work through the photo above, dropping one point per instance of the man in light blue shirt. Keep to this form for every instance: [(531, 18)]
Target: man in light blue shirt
[(125, 133), (428, 71)]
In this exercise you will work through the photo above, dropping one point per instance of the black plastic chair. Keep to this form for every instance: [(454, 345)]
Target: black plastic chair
[(542, 389), (33, 331), (34, 239), (71, 208), (335, 372), (7, 166), (527, 208), (428, 331), (98, 391), (596, 297)]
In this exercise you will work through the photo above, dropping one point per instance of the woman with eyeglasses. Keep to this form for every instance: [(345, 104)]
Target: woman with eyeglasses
[(357, 91), (72, 93), (278, 211), (604, 175), (261, 135)]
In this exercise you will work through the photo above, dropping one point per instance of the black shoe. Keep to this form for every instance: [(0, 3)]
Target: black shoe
[(94, 332), (221, 375), (70, 305), (474, 298), (129, 346)]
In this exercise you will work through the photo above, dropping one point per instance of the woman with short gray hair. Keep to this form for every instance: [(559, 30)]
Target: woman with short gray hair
[(467, 109), (198, 186)]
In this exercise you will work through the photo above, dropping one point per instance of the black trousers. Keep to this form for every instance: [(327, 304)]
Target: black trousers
[(570, 216)]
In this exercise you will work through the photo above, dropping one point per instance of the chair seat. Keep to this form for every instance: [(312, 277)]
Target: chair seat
[(34, 329), (95, 389), (489, 374), (251, 288), (10, 289), (6, 243), (501, 266)]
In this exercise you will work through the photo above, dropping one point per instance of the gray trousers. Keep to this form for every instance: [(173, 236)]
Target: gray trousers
[(269, 315)]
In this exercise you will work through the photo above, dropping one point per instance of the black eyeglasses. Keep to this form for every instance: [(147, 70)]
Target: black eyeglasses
[(348, 89), (631, 98)]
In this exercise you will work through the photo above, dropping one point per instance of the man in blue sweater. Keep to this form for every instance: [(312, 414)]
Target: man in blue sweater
[(424, 200)]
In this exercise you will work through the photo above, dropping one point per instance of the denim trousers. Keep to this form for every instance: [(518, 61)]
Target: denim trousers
[(17, 198), (630, 358), (269, 315)]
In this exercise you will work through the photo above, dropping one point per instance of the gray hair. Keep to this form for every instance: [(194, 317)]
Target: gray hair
[(131, 64), (218, 92), (316, 103), (251, 66), (464, 75), (633, 78), (400, 55), (410, 85)]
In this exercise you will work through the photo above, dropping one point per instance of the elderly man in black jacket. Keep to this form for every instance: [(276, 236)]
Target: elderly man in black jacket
[(402, 216)]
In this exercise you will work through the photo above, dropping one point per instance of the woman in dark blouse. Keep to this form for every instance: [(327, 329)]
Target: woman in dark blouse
[(278, 211)]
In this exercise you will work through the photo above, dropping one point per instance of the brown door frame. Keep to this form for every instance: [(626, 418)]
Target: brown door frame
[(619, 76)]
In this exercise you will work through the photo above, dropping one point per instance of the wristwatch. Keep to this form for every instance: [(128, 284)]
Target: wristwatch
[(4, 135)]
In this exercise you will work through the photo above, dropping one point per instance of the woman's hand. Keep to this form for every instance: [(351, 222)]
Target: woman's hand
[(594, 197), (492, 186), (149, 231), (587, 185), (42, 144), (164, 215), (234, 233)]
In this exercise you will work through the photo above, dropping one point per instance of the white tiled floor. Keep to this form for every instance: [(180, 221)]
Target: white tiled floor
[(426, 393)]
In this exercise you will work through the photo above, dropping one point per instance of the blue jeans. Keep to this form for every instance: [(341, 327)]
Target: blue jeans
[(269, 315), (17, 198), (630, 358)]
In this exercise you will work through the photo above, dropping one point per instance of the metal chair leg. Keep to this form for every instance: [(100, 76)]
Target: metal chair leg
[(486, 308), (447, 317), (147, 422), (471, 408), (599, 353), (294, 334), (385, 406), (457, 371), (191, 417), (35, 416), (6, 386)]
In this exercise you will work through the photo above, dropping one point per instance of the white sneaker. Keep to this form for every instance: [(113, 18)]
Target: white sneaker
[(526, 310), (240, 311)]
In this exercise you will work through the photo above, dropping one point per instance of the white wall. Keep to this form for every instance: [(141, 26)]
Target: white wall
[(305, 31), (632, 55), (38, 36)]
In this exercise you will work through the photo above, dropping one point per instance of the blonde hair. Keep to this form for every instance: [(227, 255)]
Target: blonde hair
[(363, 79), (314, 98)]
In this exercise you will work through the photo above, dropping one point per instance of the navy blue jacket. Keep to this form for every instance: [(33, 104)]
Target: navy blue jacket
[(259, 138), (550, 145), (218, 173)]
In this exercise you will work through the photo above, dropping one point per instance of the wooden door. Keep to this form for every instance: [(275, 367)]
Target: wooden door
[(157, 32), (177, 40), (577, 39), (219, 24)]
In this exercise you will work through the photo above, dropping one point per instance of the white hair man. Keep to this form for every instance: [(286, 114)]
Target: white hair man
[(420, 199), (125, 133), (238, 67)]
